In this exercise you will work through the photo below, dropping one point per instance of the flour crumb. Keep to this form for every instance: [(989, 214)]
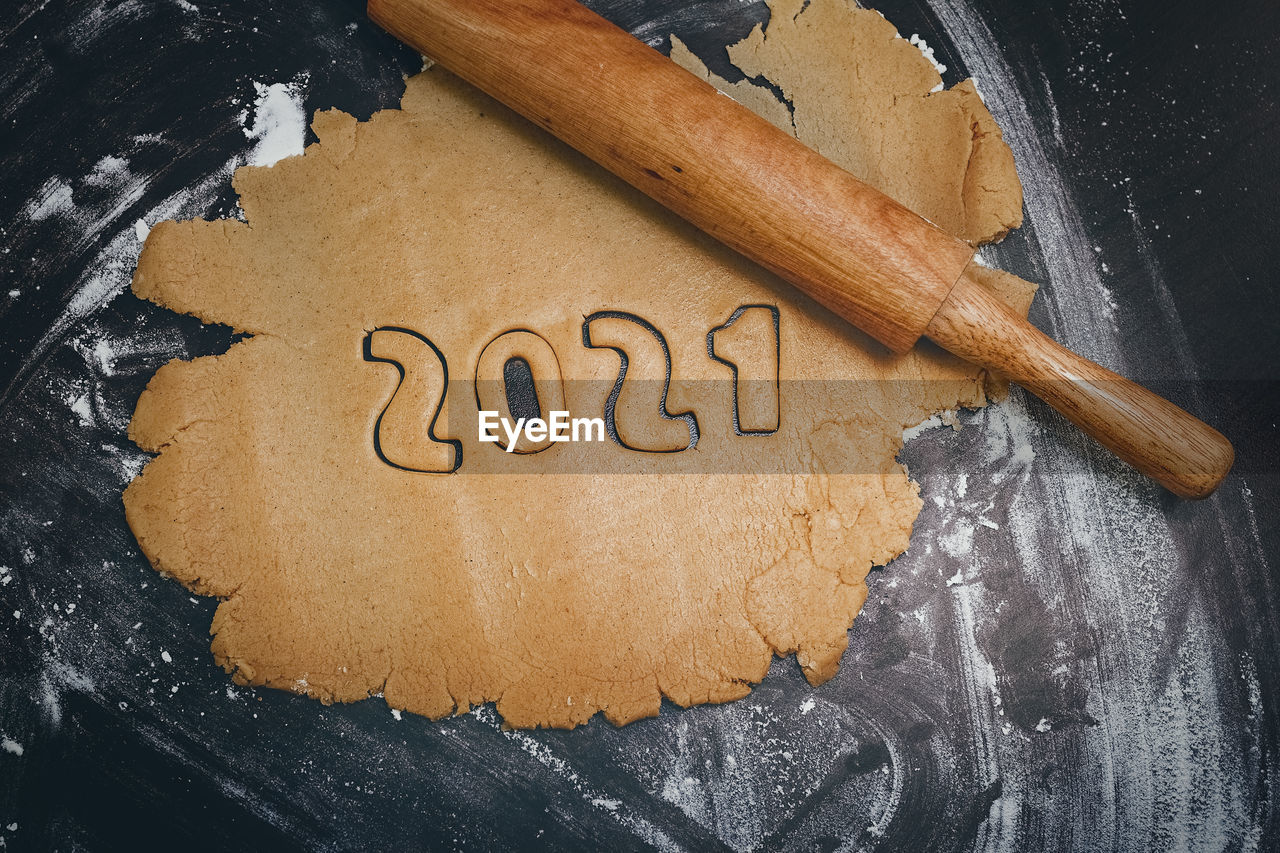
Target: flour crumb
[(10, 745), (807, 705), (54, 198), (81, 408), (956, 579), (395, 712), (166, 657), (927, 53), (109, 171)]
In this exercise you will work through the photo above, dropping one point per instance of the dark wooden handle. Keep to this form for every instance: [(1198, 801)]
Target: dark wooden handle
[(759, 190), (1183, 454)]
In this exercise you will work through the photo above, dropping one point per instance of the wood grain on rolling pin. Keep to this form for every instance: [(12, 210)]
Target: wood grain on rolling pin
[(698, 152), (1187, 456), (733, 174)]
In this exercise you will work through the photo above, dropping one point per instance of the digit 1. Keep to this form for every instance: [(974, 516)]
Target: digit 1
[(750, 344)]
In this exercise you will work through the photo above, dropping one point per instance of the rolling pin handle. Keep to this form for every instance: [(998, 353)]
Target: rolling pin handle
[(1185, 455)]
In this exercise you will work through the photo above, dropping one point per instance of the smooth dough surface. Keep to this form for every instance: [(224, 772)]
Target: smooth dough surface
[(560, 583)]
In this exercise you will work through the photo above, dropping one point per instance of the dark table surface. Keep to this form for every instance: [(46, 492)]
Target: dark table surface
[(1068, 657)]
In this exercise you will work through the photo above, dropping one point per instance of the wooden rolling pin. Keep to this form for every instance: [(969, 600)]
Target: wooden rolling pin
[(867, 258)]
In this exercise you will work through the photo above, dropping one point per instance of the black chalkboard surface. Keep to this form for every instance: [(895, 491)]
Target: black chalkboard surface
[(1067, 658)]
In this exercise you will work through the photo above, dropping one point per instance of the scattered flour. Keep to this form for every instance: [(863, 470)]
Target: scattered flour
[(10, 745), (53, 199), (957, 541), (110, 171), (82, 409), (279, 122), (543, 754)]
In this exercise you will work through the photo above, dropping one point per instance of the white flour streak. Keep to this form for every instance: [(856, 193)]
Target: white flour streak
[(897, 769), (1054, 118), (59, 677), (734, 769), (110, 171), (1165, 777), (1076, 290), (1175, 336), (111, 271), (53, 199), (613, 807), (278, 129), (102, 282), (82, 409), (722, 808), (1008, 431)]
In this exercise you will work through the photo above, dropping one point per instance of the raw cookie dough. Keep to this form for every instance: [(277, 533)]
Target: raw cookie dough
[(514, 579), (864, 97)]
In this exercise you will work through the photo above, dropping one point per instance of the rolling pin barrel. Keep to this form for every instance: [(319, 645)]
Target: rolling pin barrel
[(759, 190), (701, 154)]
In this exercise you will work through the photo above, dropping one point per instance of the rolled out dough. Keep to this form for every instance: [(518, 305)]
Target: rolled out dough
[(582, 578)]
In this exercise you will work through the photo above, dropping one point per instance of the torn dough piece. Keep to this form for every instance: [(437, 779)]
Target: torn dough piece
[(866, 98), (555, 595)]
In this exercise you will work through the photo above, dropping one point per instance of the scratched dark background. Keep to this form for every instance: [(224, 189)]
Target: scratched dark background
[(1068, 657)]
